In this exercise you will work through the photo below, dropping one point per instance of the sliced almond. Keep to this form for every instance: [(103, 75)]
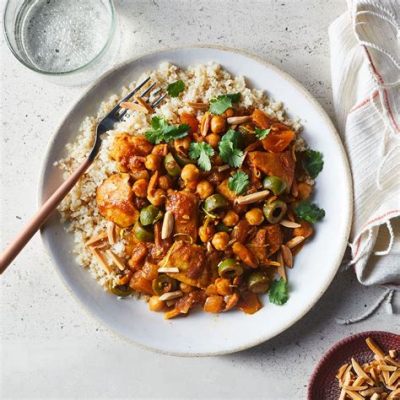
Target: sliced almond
[(391, 361), (223, 168), (171, 295), (355, 388), (393, 353), (168, 225), (354, 395), (287, 256), (238, 120), (341, 371), (375, 396), (290, 224), (393, 378), (99, 256), (359, 371), (205, 124), (128, 105), (281, 269), (295, 241), (389, 368), (370, 391), (111, 233), (95, 239), (116, 260), (375, 348), (144, 104), (198, 105), (168, 270), (359, 381), (273, 263), (253, 197)]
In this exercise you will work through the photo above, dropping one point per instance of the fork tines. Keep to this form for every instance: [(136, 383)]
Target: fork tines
[(151, 97)]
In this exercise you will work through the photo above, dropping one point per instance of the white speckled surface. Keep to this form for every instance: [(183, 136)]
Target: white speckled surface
[(49, 347)]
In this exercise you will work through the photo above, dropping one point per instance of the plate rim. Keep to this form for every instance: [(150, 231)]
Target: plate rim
[(304, 92)]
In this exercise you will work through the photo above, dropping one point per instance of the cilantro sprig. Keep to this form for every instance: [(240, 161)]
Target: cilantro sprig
[(202, 153), (309, 212), (229, 149), (176, 88), (162, 131), (238, 182), (313, 162), (220, 104), (262, 133), (279, 292)]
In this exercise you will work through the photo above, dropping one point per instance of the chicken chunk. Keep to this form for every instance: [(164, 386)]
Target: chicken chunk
[(126, 148), (114, 199)]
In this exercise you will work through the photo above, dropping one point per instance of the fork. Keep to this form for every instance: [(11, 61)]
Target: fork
[(107, 123)]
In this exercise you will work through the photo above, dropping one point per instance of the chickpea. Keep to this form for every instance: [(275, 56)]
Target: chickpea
[(223, 286), (231, 218), (206, 233), (152, 162), (157, 198), (182, 144), (160, 150), (204, 189), (190, 173), (155, 304), (214, 304), (229, 113), (218, 123), (213, 140), (164, 182), (255, 216), (220, 240), (139, 188), (140, 174)]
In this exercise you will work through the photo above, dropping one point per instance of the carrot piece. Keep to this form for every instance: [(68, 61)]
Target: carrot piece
[(261, 119), (279, 138), (249, 303), (140, 284)]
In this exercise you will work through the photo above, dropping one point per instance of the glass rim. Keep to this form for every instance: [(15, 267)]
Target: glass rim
[(111, 33)]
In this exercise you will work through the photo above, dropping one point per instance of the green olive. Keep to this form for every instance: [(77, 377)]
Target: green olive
[(214, 202), (121, 290), (258, 282), (229, 268), (275, 184), (149, 215), (182, 159), (171, 166), (163, 284), (142, 234), (274, 211), (222, 228)]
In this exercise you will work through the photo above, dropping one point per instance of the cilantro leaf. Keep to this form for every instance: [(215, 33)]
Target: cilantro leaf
[(278, 292), (220, 104), (309, 212), (238, 182), (228, 148), (313, 162), (262, 133), (202, 153), (161, 131), (175, 88)]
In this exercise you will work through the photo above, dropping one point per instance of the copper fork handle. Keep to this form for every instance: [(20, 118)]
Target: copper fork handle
[(40, 217)]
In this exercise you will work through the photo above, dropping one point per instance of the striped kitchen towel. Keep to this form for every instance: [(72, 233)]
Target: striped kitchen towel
[(365, 68)]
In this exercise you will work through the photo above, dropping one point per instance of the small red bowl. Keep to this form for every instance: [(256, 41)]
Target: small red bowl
[(323, 384)]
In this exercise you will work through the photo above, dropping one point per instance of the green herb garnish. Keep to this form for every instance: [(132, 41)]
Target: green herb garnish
[(174, 89), (229, 148), (202, 153), (220, 104), (262, 133), (278, 292), (309, 212), (238, 182), (313, 162), (161, 131)]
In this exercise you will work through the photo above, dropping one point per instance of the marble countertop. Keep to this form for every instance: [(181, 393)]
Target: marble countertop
[(50, 348)]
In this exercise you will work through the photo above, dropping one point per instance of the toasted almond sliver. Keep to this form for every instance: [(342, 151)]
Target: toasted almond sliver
[(273, 263), (354, 395), (391, 361), (238, 120), (287, 256), (144, 104), (205, 124), (289, 224), (99, 256), (370, 391), (389, 368), (355, 388), (295, 241), (393, 353), (223, 168), (253, 197), (393, 378), (134, 107), (168, 225), (341, 370), (169, 270), (198, 105), (111, 232), (171, 295), (375, 396), (395, 394), (375, 348), (116, 260), (359, 381), (281, 269), (95, 239), (359, 371)]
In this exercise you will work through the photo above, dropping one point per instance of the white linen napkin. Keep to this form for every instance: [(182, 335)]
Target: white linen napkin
[(365, 68)]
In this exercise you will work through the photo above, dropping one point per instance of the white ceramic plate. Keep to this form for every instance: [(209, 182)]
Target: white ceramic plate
[(316, 265)]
